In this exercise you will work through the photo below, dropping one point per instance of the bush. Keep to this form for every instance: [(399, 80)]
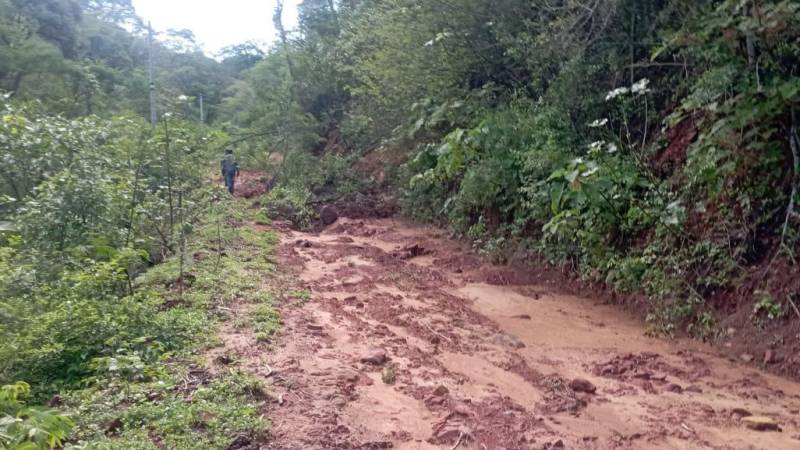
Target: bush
[(26, 428)]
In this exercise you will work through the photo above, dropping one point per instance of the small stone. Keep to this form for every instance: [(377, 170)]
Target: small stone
[(351, 377), (440, 391), (328, 215), (375, 356), (433, 400), (507, 340), (462, 409), (582, 385), (241, 441), (746, 357), (352, 281), (761, 423), (741, 412), (676, 388), (731, 331)]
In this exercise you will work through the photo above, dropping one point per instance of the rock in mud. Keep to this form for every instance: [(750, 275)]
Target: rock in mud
[(241, 442), (741, 412), (328, 215), (771, 358), (746, 357), (352, 281), (411, 251), (440, 391), (377, 444), (507, 340), (462, 410), (582, 385), (375, 357), (676, 388), (761, 423), (388, 376)]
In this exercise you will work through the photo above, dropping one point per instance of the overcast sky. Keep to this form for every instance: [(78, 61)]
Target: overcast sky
[(217, 23)]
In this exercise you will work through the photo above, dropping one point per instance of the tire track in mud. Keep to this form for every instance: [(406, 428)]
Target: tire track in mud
[(409, 341)]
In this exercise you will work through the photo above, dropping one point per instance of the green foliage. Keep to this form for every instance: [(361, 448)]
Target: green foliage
[(266, 321), (292, 204), (27, 428), (90, 57), (767, 306)]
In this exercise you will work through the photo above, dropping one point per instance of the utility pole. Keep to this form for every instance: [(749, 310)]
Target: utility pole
[(202, 111), (152, 83)]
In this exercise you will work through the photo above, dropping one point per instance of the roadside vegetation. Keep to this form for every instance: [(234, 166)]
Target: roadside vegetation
[(124, 258), (650, 147)]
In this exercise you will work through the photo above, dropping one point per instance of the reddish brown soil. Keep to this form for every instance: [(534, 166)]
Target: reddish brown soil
[(249, 183), (680, 137), (479, 361)]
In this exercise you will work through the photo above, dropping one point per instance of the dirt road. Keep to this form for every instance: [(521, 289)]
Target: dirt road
[(409, 341)]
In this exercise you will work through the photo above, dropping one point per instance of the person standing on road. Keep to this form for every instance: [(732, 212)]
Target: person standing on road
[(230, 169)]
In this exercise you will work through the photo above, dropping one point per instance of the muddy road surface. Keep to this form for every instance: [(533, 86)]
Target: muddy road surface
[(407, 340)]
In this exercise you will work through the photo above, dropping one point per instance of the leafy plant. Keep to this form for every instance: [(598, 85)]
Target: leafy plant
[(28, 428), (766, 305)]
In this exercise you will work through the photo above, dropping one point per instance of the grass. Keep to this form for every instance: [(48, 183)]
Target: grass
[(150, 399)]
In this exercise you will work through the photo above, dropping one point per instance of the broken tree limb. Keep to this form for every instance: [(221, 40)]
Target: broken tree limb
[(794, 306), (790, 212)]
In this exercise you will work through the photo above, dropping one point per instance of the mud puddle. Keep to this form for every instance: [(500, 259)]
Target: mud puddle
[(409, 341)]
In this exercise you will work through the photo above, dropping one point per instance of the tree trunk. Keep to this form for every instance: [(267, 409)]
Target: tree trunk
[(277, 19)]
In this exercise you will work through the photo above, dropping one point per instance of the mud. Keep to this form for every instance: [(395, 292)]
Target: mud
[(479, 360)]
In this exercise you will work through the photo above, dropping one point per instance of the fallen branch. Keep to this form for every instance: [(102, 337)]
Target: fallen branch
[(790, 212), (458, 442), (437, 333), (794, 306)]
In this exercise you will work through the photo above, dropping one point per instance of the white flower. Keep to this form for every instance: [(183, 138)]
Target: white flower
[(612, 148), (617, 92), (596, 146), (439, 37), (598, 123), (640, 87)]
